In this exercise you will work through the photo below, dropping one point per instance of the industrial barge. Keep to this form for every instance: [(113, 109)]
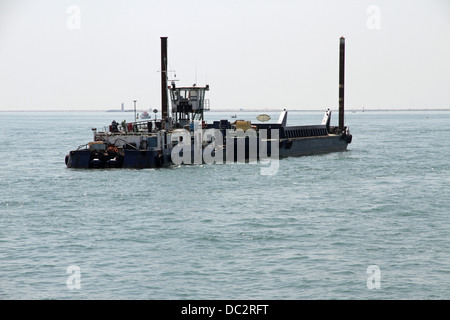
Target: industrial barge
[(185, 138)]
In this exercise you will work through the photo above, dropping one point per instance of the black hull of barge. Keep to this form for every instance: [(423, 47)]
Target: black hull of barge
[(132, 159), (313, 145), (143, 159), (296, 147)]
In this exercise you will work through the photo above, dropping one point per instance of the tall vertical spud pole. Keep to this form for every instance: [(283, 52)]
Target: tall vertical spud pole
[(164, 96), (341, 82)]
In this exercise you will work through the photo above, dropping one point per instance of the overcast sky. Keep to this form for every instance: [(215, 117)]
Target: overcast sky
[(94, 55)]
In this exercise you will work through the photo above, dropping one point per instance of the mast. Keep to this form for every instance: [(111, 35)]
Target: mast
[(164, 96), (341, 82)]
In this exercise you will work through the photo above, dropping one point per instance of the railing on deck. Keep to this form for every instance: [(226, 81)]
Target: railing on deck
[(137, 127)]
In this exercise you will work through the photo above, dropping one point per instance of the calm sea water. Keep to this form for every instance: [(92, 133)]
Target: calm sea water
[(311, 231)]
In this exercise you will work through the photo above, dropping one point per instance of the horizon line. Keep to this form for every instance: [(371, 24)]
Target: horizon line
[(234, 110)]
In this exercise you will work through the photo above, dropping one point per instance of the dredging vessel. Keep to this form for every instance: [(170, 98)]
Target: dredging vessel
[(184, 137)]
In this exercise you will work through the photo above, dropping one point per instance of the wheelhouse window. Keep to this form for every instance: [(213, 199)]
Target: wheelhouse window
[(193, 95)]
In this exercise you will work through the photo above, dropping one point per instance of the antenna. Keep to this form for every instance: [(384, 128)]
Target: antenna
[(195, 72), (172, 70)]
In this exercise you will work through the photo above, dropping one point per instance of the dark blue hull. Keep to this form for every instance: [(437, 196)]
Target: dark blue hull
[(243, 149), (237, 150), (313, 145), (133, 159)]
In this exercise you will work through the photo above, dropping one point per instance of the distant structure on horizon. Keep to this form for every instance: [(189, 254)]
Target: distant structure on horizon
[(122, 109)]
